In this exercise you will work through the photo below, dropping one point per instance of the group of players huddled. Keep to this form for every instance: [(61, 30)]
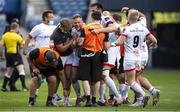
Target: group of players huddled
[(97, 54)]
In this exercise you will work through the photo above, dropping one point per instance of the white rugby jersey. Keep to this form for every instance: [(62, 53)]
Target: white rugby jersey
[(41, 34), (135, 36), (75, 32)]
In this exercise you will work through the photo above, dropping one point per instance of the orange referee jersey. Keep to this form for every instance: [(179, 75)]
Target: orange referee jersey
[(41, 57), (93, 42)]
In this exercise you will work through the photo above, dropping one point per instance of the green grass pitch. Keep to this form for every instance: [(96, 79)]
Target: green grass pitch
[(167, 81)]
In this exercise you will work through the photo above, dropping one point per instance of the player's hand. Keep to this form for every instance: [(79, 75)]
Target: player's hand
[(124, 9), (73, 44), (113, 44), (36, 71), (95, 31), (153, 45), (25, 51), (75, 35)]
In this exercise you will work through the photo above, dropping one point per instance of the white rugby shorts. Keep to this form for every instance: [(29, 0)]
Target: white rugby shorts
[(113, 54)]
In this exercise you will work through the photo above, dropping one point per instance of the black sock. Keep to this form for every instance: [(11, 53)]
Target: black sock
[(12, 82), (31, 99), (111, 97), (93, 100), (16, 76), (49, 98), (22, 78), (88, 98), (6, 79)]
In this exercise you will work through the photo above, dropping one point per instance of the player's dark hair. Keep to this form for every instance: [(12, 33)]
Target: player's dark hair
[(45, 14), (96, 15), (13, 26), (16, 20), (98, 5), (116, 17), (66, 24), (76, 16)]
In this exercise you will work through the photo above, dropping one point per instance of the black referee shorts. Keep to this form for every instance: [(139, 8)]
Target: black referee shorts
[(48, 72), (90, 68), (13, 60)]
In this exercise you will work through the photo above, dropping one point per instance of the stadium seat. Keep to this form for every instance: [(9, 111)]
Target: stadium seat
[(67, 8), (64, 8), (3, 24), (33, 22)]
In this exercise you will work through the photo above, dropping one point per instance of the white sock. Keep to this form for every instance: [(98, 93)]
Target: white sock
[(110, 92), (121, 86), (110, 83), (102, 92), (140, 99), (124, 90), (137, 88), (153, 90)]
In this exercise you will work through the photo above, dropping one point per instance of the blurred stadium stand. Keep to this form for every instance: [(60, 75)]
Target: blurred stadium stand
[(34, 12), (64, 8), (67, 8), (143, 5), (3, 24)]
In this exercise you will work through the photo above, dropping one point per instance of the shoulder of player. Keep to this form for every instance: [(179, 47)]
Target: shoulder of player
[(10, 34), (39, 26)]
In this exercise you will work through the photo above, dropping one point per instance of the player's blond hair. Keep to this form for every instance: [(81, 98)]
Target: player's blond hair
[(133, 15), (106, 13)]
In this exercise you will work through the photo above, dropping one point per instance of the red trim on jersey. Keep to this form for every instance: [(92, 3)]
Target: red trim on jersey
[(129, 70), (68, 64), (74, 66), (108, 65), (148, 34), (122, 49), (124, 35)]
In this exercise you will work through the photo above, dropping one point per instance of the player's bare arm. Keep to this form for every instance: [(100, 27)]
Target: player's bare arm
[(34, 68), (27, 41), (64, 46), (120, 40), (112, 28), (153, 41)]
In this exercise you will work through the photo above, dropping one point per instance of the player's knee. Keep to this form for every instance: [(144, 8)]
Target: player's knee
[(105, 72)]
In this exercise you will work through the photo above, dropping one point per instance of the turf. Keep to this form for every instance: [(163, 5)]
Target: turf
[(167, 81)]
